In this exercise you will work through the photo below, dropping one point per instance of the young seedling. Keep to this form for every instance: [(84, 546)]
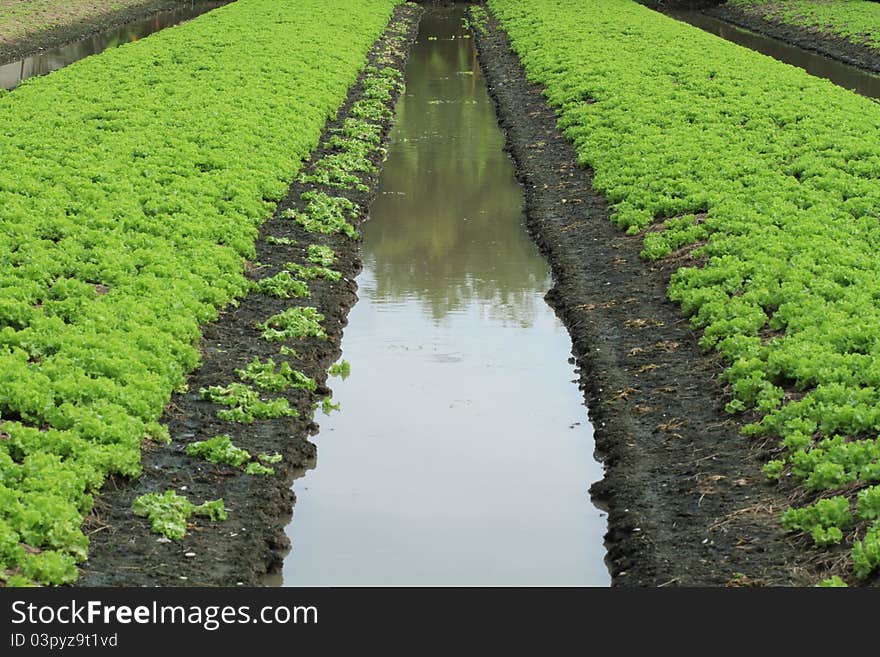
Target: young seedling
[(244, 404), (341, 369), (293, 324), (316, 271), (321, 255), (169, 512), (274, 378), (282, 285), (219, 450)]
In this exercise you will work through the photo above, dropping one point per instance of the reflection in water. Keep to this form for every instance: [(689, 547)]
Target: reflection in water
[(462, 454), (450, 177), (843, 75), (11, 75)]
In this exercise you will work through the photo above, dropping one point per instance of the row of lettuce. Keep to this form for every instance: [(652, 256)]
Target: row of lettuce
[(853, 20), (769, 175), (131, 192)]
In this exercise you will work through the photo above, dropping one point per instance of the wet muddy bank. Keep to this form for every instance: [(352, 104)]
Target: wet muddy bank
[(687, 502), (65, 34), (824, 43), (242, 549)]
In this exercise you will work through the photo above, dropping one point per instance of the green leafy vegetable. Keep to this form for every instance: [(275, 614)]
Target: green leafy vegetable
[(169, 512), (258, 469), (321, 255), (268, 376), (341, 369), (219, 450), (825, 520), (294, 323), (283, 241), (270, 458), (245, 405), (866, 553), (282, 285), (327, 214), (313, 272)]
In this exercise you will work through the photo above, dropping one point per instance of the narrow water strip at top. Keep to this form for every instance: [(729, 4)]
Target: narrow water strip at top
[(844, 75), (12, 74)]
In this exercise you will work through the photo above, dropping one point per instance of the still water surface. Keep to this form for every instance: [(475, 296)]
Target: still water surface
[(462, 454)]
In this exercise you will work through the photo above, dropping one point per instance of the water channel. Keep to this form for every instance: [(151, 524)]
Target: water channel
[(462, 454)]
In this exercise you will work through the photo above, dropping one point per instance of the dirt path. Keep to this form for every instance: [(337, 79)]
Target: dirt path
[(830, 45), (688, 504), (52, 23), (242, 549)]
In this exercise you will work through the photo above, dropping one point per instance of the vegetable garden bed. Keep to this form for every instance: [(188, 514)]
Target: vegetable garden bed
[(761, 181), (107, 272), (163, 281)]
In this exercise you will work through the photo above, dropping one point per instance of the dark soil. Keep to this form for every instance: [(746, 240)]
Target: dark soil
[(807, 38), (687, 502), (59, 36), (241, 550)]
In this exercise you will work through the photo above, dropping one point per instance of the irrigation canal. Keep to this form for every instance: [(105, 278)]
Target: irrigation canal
[(462, 454)]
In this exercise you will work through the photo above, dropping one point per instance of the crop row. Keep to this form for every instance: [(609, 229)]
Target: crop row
[(767, 175), (854, 20), (132, 188), (266, 390)]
